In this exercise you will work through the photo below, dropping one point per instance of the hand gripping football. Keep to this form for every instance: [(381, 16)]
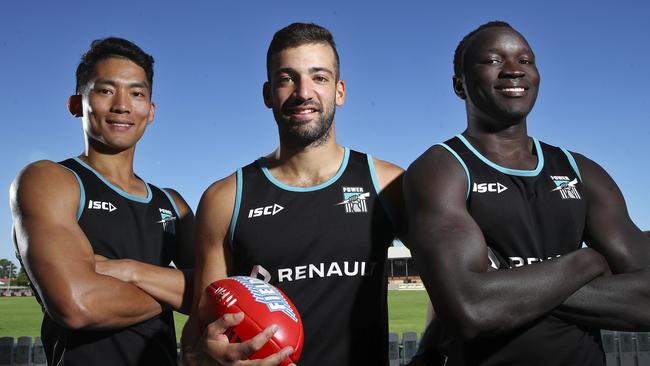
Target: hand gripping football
[(262, 305)]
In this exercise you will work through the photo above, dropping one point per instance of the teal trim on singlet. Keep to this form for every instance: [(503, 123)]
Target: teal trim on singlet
[(462, 163), (373, 174), (344, 164), (171, 200), (235, 211), (572, 162), (82, 193), (521, 173), (382, 201), (117, 190)]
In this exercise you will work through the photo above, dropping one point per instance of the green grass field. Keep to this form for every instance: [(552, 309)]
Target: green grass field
[(21, 316)]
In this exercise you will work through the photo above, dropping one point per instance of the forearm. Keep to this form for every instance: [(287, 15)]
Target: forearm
[(617, 302), (103, 303), (485, 303), (169, 286)]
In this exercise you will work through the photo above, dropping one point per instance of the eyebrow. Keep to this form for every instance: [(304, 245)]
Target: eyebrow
[(312, 70), (496, 50), (137, 84)]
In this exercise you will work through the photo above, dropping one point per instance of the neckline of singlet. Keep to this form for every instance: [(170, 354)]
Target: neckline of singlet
[(276, 182), (504, 170), (118, 190)]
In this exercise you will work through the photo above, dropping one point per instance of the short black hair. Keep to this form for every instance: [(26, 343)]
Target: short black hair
[(459, 54), (101, 49), (298, 34)]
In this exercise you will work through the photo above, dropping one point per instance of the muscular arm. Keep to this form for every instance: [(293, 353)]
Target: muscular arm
[(212, 222), (60, 260), (169, 286), (203, 340), (468, 299), (620, 301)]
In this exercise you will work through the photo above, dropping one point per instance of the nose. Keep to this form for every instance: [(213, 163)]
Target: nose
[(304, 89), (511, 69), (120, 102)]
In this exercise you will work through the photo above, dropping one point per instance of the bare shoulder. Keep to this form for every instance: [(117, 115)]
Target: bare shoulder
[(435, 156), (180, 202), (42, 180), (224, 189), (437, 164), (217, 205), (41, 171), (386, 172), (588, 166), (594, 177), (436, 179)]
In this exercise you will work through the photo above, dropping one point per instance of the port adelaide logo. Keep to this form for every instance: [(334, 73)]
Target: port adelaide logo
[(566, 187), (354, 199), (167, 219)]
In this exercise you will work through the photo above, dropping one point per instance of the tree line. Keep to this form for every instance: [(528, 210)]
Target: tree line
[(17, 274)]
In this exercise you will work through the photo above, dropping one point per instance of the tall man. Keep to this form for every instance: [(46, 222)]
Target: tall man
[(94, 237), (311, 217), (493, 196)]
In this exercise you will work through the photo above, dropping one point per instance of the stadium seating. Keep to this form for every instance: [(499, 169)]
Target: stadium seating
[(6, 350), (621, 349)]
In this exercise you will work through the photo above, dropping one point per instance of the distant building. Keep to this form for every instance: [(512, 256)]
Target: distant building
[(400, 264)]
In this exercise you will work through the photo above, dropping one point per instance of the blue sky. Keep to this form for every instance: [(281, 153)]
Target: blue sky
[(396, 58)]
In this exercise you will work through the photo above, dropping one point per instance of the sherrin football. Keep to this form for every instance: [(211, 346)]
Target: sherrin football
[(262, 305)]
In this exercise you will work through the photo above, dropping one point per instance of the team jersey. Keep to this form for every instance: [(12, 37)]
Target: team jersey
[(325, 247), (119, 225), (527, 216)]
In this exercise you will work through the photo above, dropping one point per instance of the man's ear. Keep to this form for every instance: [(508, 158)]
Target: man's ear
[(340, 93), (266, 94), (152, 112), (75, 105), (458, 87)]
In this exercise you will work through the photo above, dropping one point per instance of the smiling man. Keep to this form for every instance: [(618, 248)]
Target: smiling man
[(311, 218), (94, 238), (494, 197)]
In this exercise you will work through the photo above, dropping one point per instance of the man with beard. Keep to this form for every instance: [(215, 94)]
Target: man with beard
[(311, 218), (495, 197)]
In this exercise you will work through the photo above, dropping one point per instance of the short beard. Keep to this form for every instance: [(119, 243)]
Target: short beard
[(299, 137)]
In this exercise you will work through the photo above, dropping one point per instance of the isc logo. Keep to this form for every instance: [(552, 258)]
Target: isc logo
[(265, 211), (99, 205), (489, 187)]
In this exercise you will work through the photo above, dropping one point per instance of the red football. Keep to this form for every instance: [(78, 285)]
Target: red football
[(262, 305)]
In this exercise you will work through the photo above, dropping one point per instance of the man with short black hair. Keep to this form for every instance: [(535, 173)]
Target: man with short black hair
[(494, 198), (325, 240), (94, 238)]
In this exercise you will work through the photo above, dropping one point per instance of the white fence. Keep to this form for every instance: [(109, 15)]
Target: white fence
[(621, 349)]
